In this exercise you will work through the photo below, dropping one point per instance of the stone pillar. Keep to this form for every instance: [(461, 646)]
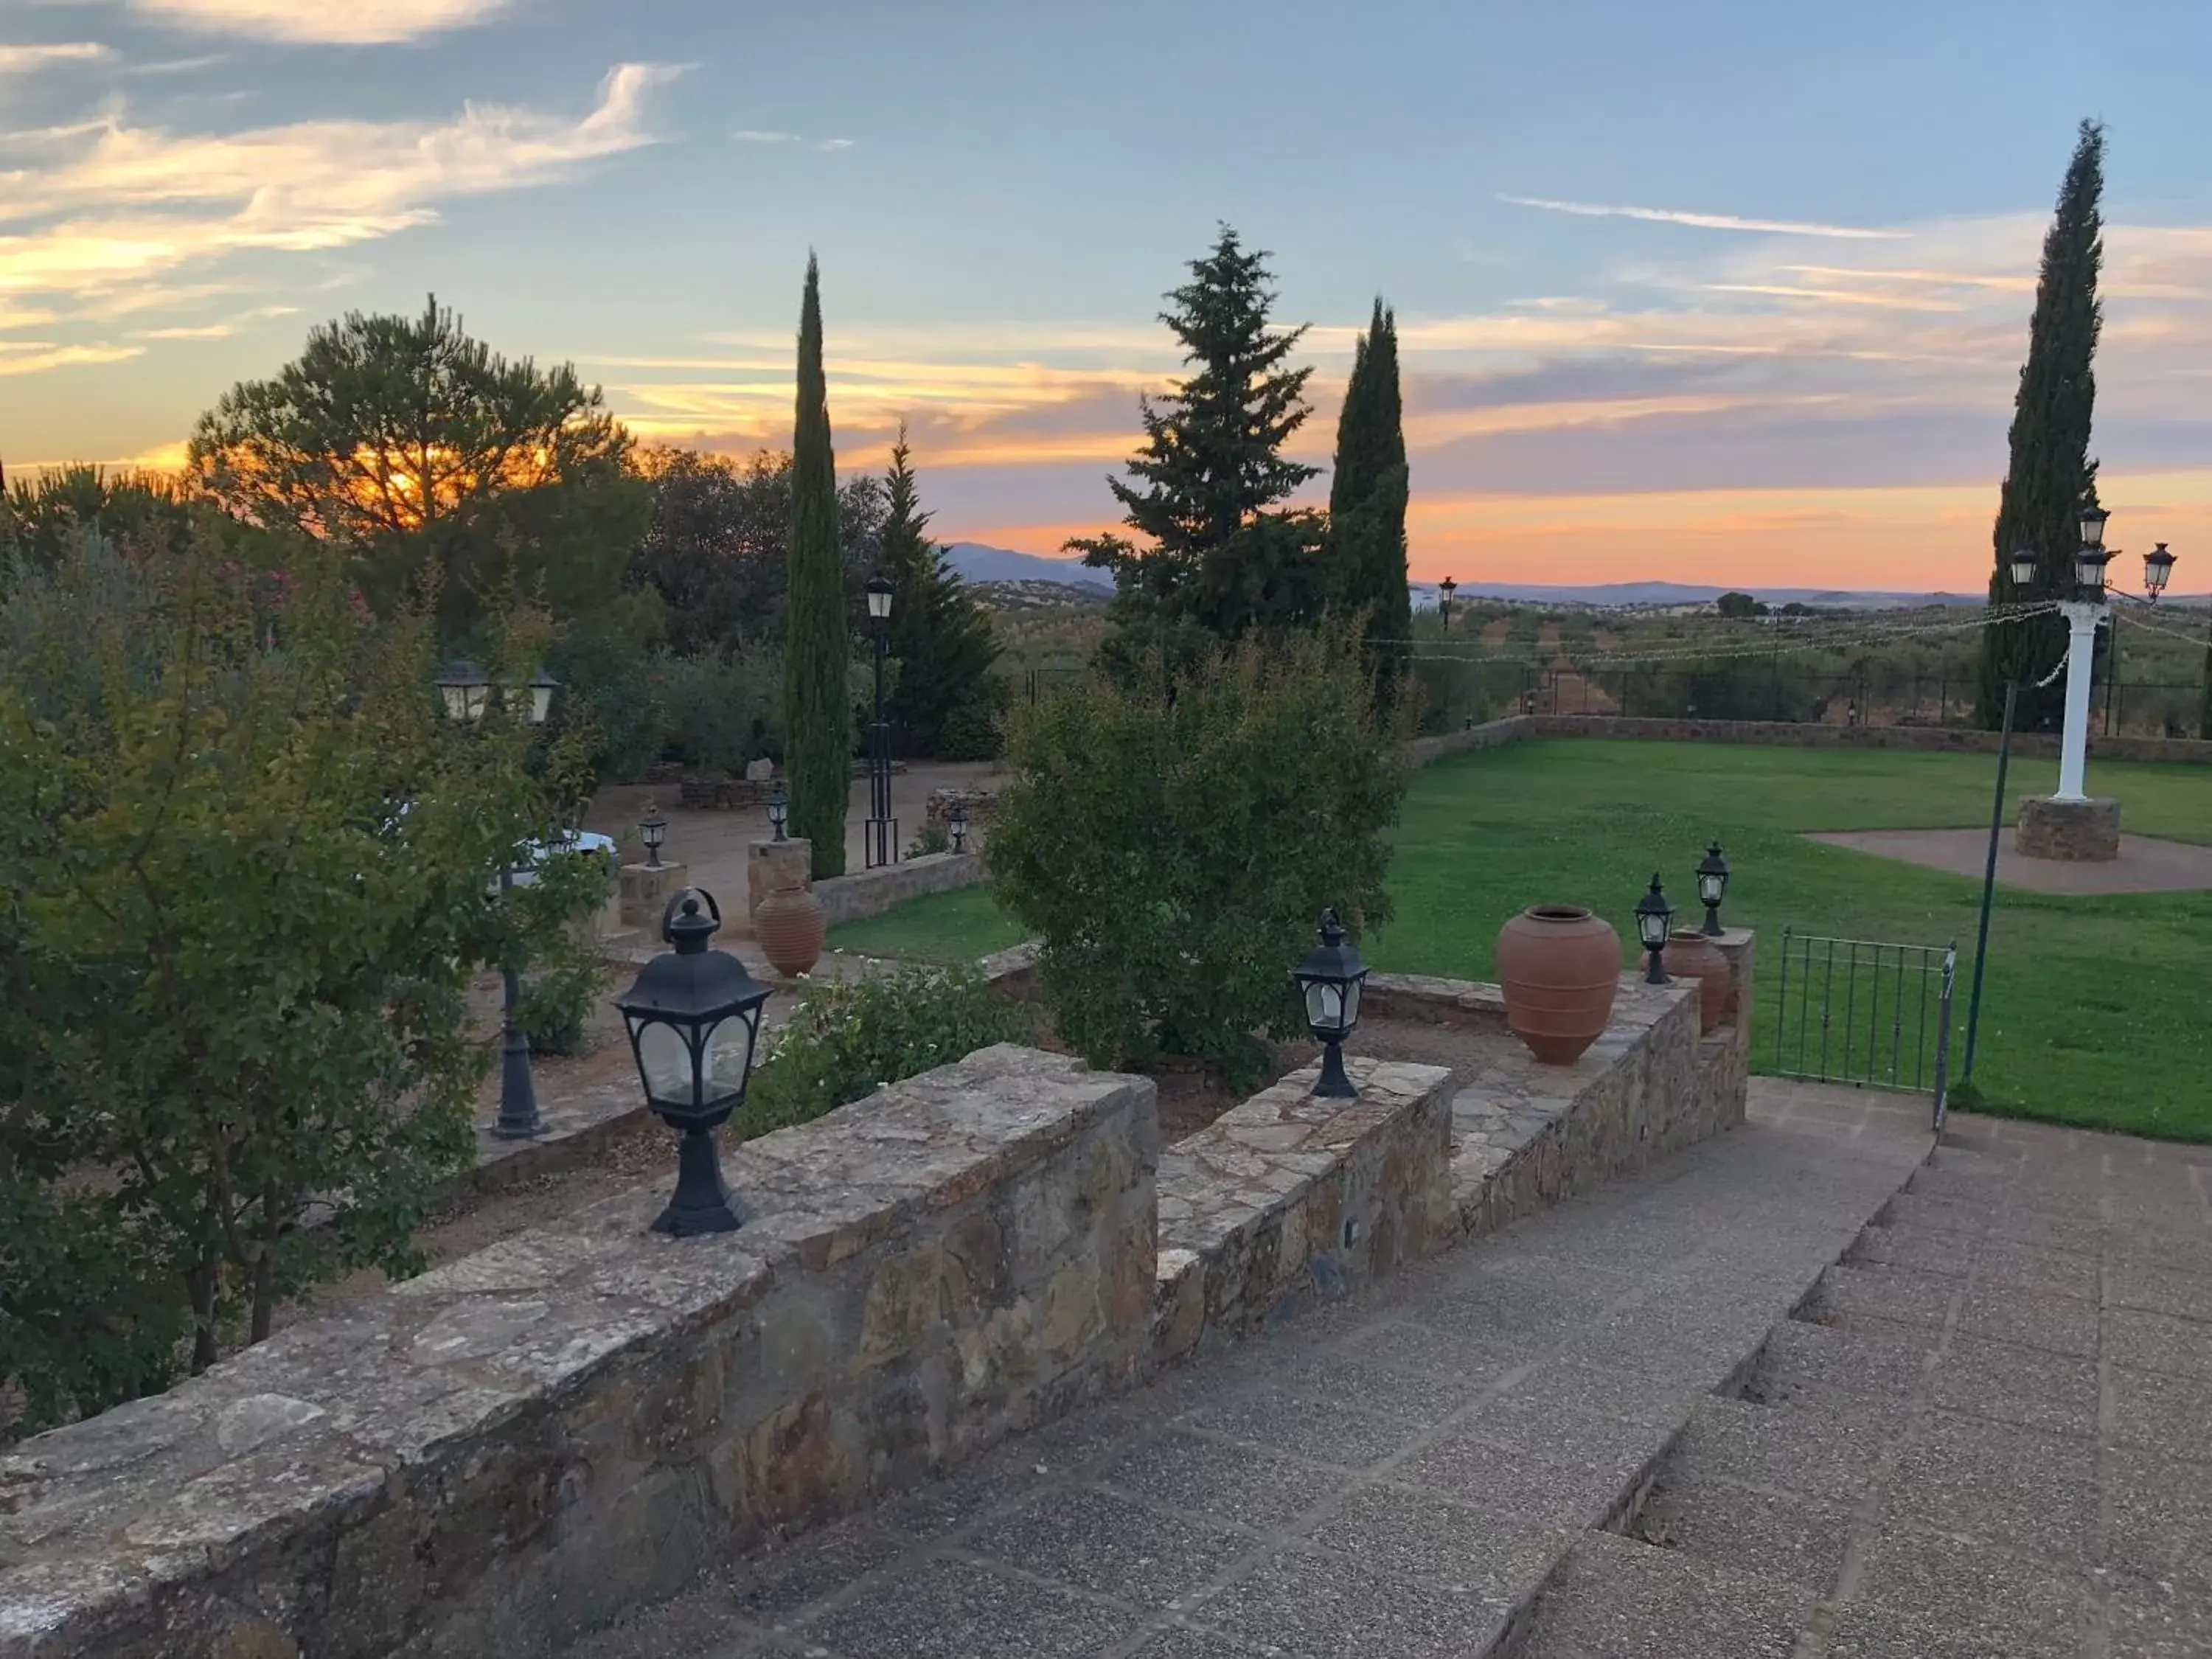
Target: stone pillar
[(646, 891), (771, 866), (2075, 831)]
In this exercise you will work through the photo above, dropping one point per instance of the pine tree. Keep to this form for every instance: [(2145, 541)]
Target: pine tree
[(2051, 476), (946, 696), (1206, 487), (819, 719), (1367, 494)]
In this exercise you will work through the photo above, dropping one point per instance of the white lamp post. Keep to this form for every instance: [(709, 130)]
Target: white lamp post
[(2082, 615)]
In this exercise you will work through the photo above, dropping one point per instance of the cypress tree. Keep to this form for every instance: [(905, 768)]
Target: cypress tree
[(2051, 476), (1206, 487), (1367, 494), (818, 717), (946, 696)]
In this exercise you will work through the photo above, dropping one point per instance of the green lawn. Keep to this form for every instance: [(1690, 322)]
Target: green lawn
[(2093, 1011)]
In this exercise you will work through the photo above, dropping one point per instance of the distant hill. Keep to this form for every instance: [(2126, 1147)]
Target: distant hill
[(979, 562), (1031, 596)]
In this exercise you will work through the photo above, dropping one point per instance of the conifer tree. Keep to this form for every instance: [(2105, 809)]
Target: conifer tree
[(2051, 476), (818, 718), (946, 696), (1367, 494), (1205, 488)]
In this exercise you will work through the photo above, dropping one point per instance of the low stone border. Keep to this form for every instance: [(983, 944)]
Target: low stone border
[(1289, 1199), (872, 892)]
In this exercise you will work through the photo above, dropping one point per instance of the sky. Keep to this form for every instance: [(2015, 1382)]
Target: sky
[(1729, 292)]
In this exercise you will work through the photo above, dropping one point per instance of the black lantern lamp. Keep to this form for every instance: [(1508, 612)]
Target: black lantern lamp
[(694, 1018), (2090, 571), (466, 690), (2158, 567), (1654, 918), (2093, 518), (779, 812), (2023, 567), (652, 830), (543, 685), (1330, 980), (1712, 887), (958, 825), (1446, 589)]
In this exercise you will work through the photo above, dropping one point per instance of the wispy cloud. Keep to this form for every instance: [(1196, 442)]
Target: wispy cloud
[(25, 60), (37, 356), (177, 65), (130, 205), (333, 23), (217, 330), (1708, 221), (764, 136), (836, 143)]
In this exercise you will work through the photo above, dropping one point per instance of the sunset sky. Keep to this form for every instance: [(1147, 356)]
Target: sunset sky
[(1716, 292)]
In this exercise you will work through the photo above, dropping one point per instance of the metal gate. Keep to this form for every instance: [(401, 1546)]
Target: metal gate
[(1866, 1013)]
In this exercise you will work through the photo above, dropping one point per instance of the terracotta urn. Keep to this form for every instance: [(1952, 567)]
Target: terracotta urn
[(1559, 966), (789, 923), (1691, 955)]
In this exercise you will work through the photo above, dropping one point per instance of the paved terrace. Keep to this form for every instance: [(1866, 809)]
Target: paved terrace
[(1397, 1475)]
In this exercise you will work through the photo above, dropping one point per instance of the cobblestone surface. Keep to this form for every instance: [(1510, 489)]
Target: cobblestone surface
[(1996, 1441), (1395, 1475)]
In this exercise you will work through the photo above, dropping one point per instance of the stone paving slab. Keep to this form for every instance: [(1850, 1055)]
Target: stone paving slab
[(1396, 1475), (2146, 863), (2006, 1403)]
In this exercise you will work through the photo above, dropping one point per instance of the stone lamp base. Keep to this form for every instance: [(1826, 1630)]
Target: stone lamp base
[(2076, 831)]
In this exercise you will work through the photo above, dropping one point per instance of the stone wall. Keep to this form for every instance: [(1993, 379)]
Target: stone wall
[(871, 892), (1788, 733), (1288, 1199), (524, 1443)]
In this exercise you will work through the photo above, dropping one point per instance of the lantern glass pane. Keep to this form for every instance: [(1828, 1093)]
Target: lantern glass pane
[(1352, 1004), (1709, 889), (729, 1056), (664, 1059), (1324, 1005), (1651, 928), (879, 605), (541, 703)]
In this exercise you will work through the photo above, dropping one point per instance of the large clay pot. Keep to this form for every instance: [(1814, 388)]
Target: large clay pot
[(789, 924), (1559, 967), (1691, 955)]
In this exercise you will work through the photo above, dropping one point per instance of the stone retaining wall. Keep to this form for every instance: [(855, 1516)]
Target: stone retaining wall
[(1794, 734), (1289, 1198), (871, 892), (524, 1443)]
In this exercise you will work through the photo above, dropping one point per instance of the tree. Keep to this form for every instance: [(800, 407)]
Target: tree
[(1737, 606), (1367, 494), (946, 695), (1222, 557), (819, 741), (717, 546), (141, 513), (2050, 477), (419, 451), (247, 871), (1174, 846)]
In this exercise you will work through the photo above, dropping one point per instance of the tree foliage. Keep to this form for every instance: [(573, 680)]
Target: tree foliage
[(247, 870), (1220, 555), (2050, 477), (947, 699), (1174, 849), (819, 739), (143, 515), (718, 546), (1367, 496), (420, 452)]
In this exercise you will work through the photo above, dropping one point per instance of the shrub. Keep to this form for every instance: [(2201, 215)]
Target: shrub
[(722, 711), (568, 974), (1175, 847), (933, 838), (849, 1038)]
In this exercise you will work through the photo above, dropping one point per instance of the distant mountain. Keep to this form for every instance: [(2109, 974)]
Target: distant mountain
[(977, 562)]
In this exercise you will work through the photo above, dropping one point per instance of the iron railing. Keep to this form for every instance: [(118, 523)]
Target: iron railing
[(1866, 1013)]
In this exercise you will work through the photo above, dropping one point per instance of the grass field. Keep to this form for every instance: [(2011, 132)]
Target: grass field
[(2094, 1009)]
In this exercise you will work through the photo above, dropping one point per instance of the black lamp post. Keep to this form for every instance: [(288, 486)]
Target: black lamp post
[(694, 1020), (1330, 980), (1446, 589), (1712, 887), (778, 813), (959, 827), (882, 836), (652, 830), (468, 692), (2023, 569), (1654, 917)]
